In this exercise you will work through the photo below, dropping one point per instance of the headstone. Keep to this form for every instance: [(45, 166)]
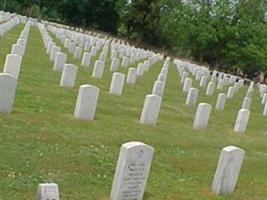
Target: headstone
[(151, 109), (265, 110), (103, 56), (210, 88), (162, 77), (140, 69), (68, 76), (220, 103), (86, 60), (12, 64), (191, 98), (55, 49), (220, 84), (78, 53), (187, 84), (60, 61), (131, 76), (202, 116), (114, 64), (242, 120), (86, 102), (158, 88), (8, 85), (125, 61), (203, 81), (47, 191), (17, 49), (228, 169), (184, 76), (98, 69), (22, 42), (117, 83), (230, 93), (264, 98), (246, 103), (132, 171)]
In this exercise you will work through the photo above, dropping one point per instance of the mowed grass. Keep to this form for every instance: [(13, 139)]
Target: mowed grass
[(42, 142)]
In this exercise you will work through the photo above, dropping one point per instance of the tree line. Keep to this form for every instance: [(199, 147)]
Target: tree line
[(228, 35)]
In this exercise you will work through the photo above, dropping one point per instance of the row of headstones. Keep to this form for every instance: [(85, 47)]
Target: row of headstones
[(10, 75), (60, 62), (8, 25), (152, 103), (5, 16), (91, 45), (88, 95), (202, 74), (133, 167), (87, 41), (60, 58), (203, 109)]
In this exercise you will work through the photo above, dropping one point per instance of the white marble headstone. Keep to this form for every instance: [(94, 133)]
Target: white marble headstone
[(86, 102), (151, 109), (47, 191), (228, 169), (132, 171), (8, 84), (202, 116)]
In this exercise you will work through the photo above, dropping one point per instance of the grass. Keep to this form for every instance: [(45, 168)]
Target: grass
[(42, 142)]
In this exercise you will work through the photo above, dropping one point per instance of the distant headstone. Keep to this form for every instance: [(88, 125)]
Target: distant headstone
[(60, 61), (98, 69), (203, 81), (8, 85), (162, 77), (264, 98), (242, 120), (191, 98), (265, 110), (17, 49), (151, 109), (202, 116), (78, 53), (140, 69), (187, 84), (86, 60), (132, 171), (103, 56), (184, 76), (125, 61), (55, 49), (47, 191), (86, 102), (210, 88), (228, 169), (114, 64), (246, 103), (158, 88), (220, 103), (117, 83), (230, 93), (68, 76), (220, 84), (131, 76)]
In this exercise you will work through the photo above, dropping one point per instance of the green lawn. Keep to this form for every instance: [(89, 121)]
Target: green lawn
[(42, 142)]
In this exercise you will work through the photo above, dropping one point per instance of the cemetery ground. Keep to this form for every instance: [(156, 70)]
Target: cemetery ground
[(41, 141)]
